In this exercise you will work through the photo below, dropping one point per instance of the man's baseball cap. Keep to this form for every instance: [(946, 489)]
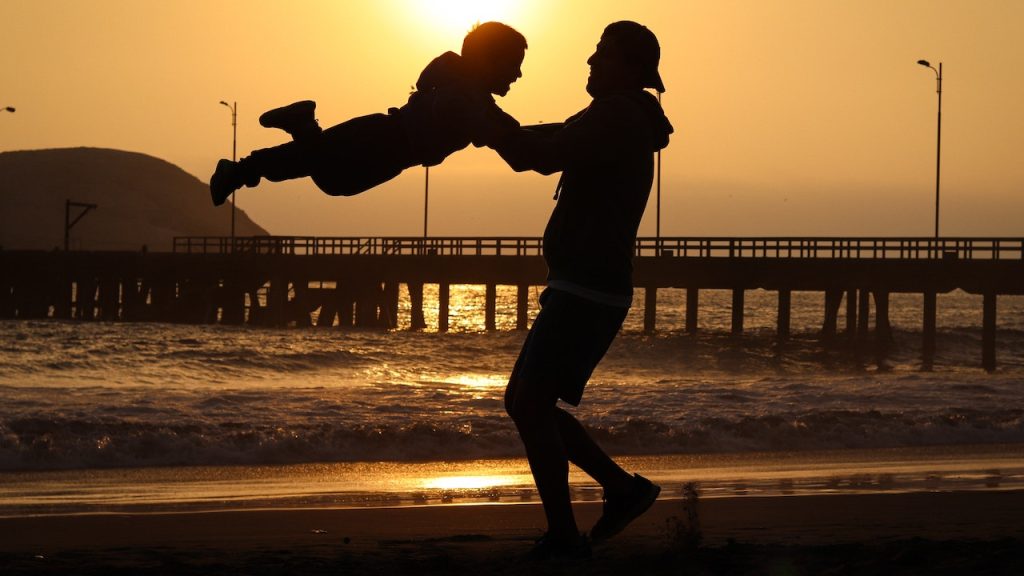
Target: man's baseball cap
[(641, 47)]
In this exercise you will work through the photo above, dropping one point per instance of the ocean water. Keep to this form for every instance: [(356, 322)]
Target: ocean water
[(80, 400)]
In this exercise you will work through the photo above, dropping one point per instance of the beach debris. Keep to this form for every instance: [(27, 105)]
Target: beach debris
[(786, 486), (685, 533), (39, 557), (318, 531)]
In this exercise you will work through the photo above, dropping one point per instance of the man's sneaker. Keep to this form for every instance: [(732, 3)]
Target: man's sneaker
[(225, 180), (619, 511), (552, 548), (296, 119)]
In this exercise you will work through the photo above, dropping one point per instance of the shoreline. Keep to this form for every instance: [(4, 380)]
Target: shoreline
[(943, 528), (505, 481)]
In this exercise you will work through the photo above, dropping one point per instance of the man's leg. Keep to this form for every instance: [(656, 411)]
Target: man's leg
[(532, 408), (626, 496), (585, 453)]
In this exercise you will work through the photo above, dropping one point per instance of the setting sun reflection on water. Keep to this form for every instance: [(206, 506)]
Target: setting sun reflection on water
[(479, 380), (473, 482)]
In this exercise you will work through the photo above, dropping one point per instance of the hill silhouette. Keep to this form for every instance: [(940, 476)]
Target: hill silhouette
[(141, 200)]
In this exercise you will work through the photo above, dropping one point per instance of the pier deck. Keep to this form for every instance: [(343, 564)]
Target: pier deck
[(356, 281)]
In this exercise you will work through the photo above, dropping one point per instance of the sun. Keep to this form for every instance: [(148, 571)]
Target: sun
[(459, 16)]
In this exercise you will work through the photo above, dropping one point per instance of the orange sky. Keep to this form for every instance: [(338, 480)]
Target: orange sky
[(797, 117)]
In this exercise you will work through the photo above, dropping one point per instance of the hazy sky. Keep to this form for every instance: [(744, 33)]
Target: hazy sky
[(793, 117)]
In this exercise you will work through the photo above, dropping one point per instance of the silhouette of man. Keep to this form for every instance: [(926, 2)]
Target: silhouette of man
[(606, 156), (451, 107)]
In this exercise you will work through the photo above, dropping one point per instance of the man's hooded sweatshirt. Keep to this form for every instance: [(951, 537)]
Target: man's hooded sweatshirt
[(606, 155)]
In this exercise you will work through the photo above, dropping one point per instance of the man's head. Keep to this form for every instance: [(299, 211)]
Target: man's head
[(493, 52), (626, 58)]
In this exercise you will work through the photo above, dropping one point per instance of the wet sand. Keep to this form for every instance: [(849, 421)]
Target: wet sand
[(979, 532)]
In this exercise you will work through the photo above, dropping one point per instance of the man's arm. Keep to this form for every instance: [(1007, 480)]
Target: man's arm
[(547, 148), (532, 148)]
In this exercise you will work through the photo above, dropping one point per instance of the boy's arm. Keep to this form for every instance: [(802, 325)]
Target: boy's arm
[(493, 126)]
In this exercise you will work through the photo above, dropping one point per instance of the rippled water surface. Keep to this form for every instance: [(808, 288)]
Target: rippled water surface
[(103, 395)]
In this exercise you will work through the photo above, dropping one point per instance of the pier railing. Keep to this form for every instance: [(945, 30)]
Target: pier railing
[(909, 248), (314, 245)]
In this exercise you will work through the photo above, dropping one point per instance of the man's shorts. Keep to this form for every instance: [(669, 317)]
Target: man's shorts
[(569, 337)]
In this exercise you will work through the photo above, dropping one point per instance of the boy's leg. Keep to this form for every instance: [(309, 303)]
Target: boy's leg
[(297, 119), (276, 164), (284, 162), (279, 163), (344, 160), (359, 154)]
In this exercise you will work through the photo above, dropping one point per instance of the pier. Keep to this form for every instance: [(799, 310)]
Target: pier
[(283, 281)]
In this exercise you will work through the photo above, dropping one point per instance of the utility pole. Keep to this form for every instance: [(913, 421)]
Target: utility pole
[(68, 223)]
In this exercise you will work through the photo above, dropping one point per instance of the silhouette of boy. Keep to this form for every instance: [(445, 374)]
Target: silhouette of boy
[(451, 107), (606, 156)]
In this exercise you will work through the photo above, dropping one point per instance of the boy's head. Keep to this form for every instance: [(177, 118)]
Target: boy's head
[(493, 53)]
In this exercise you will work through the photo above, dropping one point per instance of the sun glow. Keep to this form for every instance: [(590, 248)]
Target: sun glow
[(458, 16)]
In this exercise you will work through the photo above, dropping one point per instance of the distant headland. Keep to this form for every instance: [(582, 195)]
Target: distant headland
[(141, 201)]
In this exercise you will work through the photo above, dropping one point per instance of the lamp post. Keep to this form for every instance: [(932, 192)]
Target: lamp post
[(938, 140), (657, 220), (234, 157), (426, 198)]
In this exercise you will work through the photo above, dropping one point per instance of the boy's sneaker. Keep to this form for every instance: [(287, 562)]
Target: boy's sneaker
[(296, 119), (552, 548), (621, 510), (225, 180)]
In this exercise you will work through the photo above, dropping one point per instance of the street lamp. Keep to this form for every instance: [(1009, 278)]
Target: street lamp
[(938, 141), (234, 157), (426, 198), (657, 220)]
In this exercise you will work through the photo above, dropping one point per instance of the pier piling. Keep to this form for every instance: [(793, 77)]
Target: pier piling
[(833, 299), (988, 332), (416, 318), (737, 311), (863, 314), (650, 308), (928, 330), (692, 303), (490, 307), (851, 313), (443, 298), (522, 306), (785, 305)]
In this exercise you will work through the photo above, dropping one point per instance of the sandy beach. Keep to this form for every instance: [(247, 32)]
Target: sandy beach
[(969, 532)]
